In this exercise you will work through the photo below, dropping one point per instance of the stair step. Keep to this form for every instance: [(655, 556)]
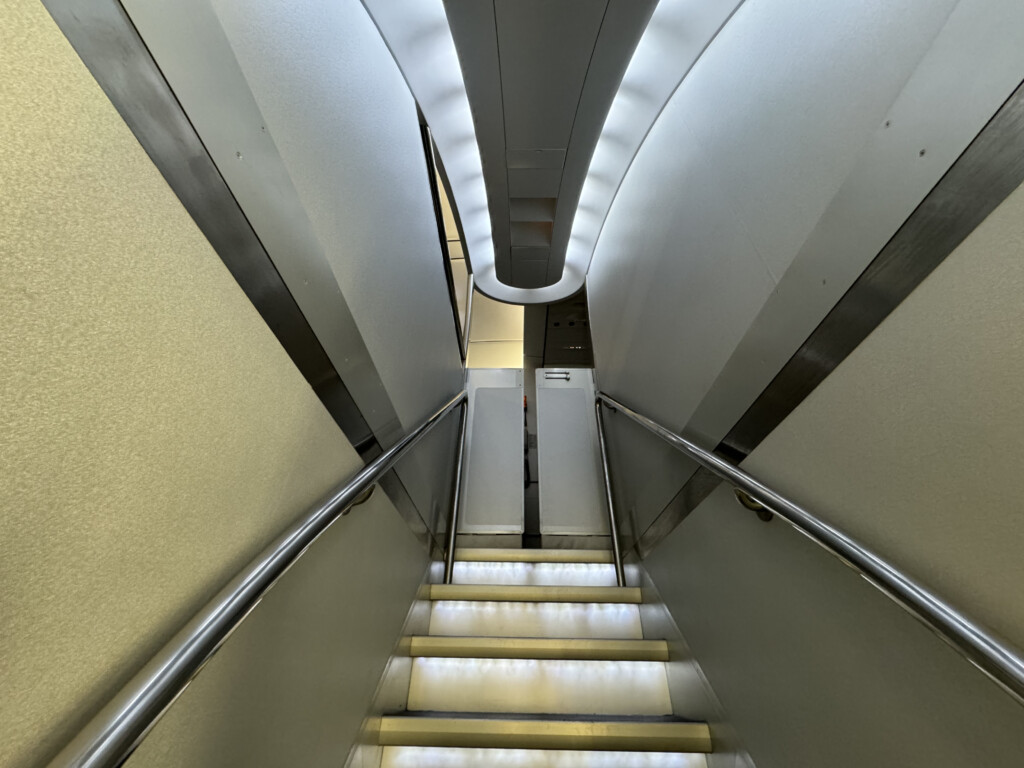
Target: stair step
[(549, 686), (534, 555), (448, 757), (539, 648), (531, 733), (536, 574), (535, 594), (550, 620)]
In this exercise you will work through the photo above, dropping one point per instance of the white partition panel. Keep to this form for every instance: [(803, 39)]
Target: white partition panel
[(572, 498), (492, 492)]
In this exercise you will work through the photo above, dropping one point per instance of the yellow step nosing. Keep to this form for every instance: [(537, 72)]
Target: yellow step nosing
[(534, 594), (545, 734), (474, 554), (539, 648)]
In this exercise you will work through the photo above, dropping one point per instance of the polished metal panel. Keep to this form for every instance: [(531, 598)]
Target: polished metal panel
[(453, 518), (613, 524), (993, 655), (112, 735), (109, 45)]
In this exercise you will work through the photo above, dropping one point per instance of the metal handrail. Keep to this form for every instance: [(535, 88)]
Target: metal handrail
[(113, 734), (990, 653), (453, 516)]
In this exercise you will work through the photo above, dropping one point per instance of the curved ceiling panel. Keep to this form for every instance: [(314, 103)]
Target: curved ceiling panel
[(420, 40), (677, 34), (498, 206)]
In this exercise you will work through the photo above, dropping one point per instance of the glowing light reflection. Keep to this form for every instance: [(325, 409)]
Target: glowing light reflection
[(677, 34), (547, 574), (446, 757), (418, 34), (505, 619)]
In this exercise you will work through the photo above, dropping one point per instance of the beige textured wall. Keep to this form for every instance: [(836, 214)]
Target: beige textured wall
[(153, 434), (914, 444)]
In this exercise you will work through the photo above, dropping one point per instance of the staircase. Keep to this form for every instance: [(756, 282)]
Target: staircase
[(536, 659)]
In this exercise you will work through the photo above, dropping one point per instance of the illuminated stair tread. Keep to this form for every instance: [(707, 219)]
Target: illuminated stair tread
[(567, 688), (555, 620), (535, 574), (464, 757), (522, 593), (540, 648)]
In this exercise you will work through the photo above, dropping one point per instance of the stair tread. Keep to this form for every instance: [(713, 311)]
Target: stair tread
[(566, 688), (639, 734), (531, 593), (456, 757), (539, 648), (536, 574), (533, 555)]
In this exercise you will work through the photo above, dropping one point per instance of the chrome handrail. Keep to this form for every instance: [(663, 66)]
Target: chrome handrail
[(993, 655), (113, 734), (453, 517)]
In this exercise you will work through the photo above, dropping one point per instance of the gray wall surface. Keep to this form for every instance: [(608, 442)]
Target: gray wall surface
[(309, 120), (293, 684), (913, 446), (766, 186)]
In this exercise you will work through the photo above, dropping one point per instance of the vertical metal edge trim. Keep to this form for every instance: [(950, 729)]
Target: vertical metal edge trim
[(978, 181), (113, 51), (442, 235)]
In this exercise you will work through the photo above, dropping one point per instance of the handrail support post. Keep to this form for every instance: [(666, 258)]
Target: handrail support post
[(453, 517), (620, 575)]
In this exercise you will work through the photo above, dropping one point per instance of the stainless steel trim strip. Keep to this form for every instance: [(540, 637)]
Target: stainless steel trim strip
[(113, 734), (620, 576), (993, 655), (453, 519)]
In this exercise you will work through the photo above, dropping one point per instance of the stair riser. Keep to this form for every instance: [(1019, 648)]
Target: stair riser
[(527, 686), (534, 555), (536, 648), (540, 574), (438, 757), (532, 594), (549, 620)]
